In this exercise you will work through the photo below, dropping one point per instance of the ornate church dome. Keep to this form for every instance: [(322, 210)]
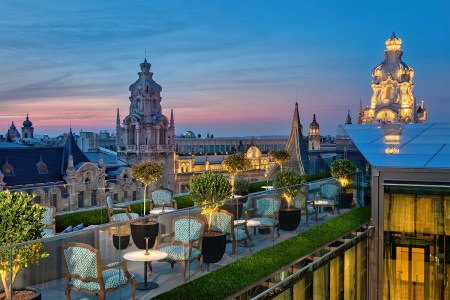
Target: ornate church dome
[(314, 127), (27, 122)]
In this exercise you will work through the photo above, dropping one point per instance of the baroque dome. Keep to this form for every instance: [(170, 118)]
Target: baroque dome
[(314, 124), (27, 122)]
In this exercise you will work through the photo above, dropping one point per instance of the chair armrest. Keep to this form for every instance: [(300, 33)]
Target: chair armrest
[(112, 265), (174, 203), (160, 239)]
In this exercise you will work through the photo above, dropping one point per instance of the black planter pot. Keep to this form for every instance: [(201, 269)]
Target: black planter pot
[(37, 295), (141, 230), (121, 241), (289, 218), (235, 208), (346, 200), (213, 247)]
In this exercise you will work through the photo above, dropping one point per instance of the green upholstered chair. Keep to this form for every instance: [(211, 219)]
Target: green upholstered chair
[(223, 221), (185, 242), (162, 197), (84, 271), (266, 213)]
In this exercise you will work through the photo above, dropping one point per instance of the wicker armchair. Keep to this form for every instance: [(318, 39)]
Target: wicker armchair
[(185, 243), (85, 273)]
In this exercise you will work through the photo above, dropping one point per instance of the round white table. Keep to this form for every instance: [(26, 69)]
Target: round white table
[(158, 210), (140, 255), (267, 187), (250, 223)]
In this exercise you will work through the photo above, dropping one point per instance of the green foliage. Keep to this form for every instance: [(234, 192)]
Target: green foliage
[(236, 163), (255, 187), (147, 172), (283, 181), (343, 170), (87, 217), (250, 269), (184, 201), (280, 157), (20, 221), (209, 187), (241, 186), (314, 177)]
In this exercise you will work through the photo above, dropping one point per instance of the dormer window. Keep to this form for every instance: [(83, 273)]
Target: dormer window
[(8, 169), (41, 167)]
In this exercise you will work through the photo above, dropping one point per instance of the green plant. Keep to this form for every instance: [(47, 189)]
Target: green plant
[(343, 170), (207, 189), (20, 221), (287, 183), (280, 157), (235, 164), (250, 269), (146, 172), (121, 230), (241, 186), (184, 201)]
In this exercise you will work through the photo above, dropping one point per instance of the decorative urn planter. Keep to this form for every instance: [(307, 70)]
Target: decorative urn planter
[(121, 242), (213, 246), (289, 218), (141, 230)]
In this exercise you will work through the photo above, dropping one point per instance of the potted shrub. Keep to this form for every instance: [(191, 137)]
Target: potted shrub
[(343, 170), (280, 157), (147, 173), (235, 164), (287, 186), (20, 221), (121, 236), (208, 190)]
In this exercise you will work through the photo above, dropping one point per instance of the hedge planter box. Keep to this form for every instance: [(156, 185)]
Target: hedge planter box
[(141, 230), (213, 247), (121, 242), (289, 218)]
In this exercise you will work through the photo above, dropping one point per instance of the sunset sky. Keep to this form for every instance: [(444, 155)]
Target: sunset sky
[(233, 68)]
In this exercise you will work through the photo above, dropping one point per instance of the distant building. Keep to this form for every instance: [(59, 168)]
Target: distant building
[(393, 100)]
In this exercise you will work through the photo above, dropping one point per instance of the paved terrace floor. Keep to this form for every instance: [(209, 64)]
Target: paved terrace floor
[(166, 277)]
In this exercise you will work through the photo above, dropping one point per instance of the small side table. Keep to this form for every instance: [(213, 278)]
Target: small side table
[(153, 255), (250, 223), (158, 211)]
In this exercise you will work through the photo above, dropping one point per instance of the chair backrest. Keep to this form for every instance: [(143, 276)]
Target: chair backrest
[(329, 190), (222, 221), (187, 229), (82, 260), (267, 206), (48, 216), (161, 195), (301, 200)]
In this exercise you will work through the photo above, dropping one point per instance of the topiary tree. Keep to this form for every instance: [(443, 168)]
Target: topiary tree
[(147, 173), (280, 157), (235, 164), (343, 170), (208, 189), (20, 221), (285, 183), (241, 186)]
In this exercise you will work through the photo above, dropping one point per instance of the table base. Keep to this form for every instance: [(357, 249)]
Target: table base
[(147, 285)]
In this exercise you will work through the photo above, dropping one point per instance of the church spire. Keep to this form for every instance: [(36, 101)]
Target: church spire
[(172, 122), (296, 145), (118, 118), (348, 120)]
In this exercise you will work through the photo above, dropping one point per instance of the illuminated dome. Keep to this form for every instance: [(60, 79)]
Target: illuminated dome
[(314, 127), (27, 122), (393, 43), (189, 134)]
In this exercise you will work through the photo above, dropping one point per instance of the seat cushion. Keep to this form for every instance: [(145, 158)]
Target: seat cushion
[(124, 217), (47, 232), (112, 278), (178, 252), (266, 221), (239, 235)]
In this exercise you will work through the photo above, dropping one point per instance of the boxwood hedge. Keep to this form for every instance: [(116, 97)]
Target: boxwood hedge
[(236, 276)]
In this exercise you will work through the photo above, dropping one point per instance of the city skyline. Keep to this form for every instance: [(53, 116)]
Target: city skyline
[(229, 68)]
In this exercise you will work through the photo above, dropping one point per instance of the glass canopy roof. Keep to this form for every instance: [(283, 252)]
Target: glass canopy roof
[(401, 145)]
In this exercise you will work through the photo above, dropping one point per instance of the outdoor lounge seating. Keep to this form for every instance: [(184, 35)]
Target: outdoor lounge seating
[(223, 222), (185, 243), (328, 196), (307, 207), (48, 219), (266, 213), (162, 197), (84, 271), (124, 214)]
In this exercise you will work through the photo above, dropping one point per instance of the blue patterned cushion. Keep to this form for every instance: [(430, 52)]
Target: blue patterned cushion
[(187, 230), (123, 217), (47, 217), (178, 252), (266, 221), (47, 232), (266, 206), (109, 202), (239, 235), (221, 222), (329, 190), (112, 278), (81, 261), (160, 196), (68, 229)]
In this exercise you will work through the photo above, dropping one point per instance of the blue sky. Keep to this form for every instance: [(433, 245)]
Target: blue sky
[(227, 67)]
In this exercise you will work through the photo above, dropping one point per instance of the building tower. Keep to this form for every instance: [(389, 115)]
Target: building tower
[(13, 133), (348, 120), (148, 135), (119, 133), (27, 129), (314, 135), (392, 100), (296, 146)]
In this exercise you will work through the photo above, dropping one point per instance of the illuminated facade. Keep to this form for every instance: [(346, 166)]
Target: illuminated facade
[(147, 135), (392, 99)]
